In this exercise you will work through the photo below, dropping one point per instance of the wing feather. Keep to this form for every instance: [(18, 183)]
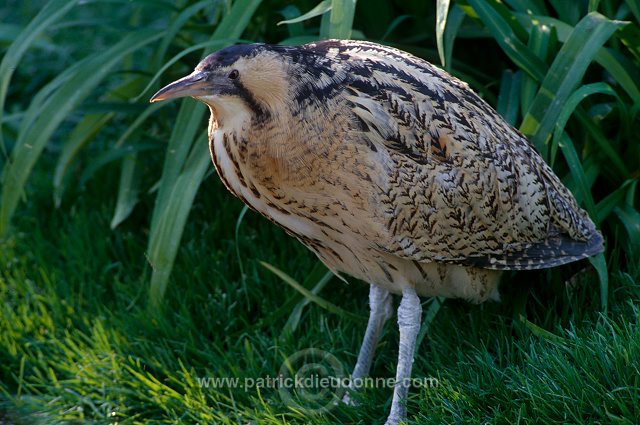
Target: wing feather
[(461, 185)]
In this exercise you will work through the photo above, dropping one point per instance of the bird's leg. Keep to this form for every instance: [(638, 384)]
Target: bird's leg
[(380, 311), (409, 313)]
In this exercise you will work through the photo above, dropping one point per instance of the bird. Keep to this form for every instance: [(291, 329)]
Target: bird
[(390, 170)]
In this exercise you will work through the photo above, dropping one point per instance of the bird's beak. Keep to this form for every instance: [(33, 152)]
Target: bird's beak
[(194, 84)]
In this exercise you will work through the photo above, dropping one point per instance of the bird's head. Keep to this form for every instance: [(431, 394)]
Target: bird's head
[(255, 81), (243, 80)]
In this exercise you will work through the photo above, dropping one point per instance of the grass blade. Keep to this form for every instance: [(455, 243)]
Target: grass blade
[(600, 264), (577, 172), (173, 29), (630, 218), (49, 14), (618, 169), (583, 192), (567, 11), (127, 190), (296, 313), (321, 302), (508, 40), (88, 128), (190, 116), (53, 111), (606, 205), (339, 21), (542, 333), (442, 10), (570, 106), (509, 96), (634, 5), (539, 42), (535, 7), (626, 74), (564, 75), (322, 8), (431, 312), (180, 180), (454, 22), (82, 134), (290, 13), (623, 71), (393, 26), (243, 276), (164, 243)]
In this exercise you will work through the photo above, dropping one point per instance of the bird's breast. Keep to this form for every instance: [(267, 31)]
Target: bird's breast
[(229, 153)]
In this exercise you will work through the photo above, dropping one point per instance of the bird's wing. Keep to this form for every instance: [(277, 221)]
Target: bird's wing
[(460, 185)]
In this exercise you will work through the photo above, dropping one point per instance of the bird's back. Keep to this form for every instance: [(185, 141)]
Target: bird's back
[(459, 185)]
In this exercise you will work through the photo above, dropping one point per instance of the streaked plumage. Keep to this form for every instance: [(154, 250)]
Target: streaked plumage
[(386, 167)]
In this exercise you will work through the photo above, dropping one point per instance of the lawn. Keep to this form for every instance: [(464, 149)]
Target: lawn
[(136, 290)]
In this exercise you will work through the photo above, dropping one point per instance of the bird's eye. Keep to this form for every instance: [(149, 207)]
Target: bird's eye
[(234, 74)]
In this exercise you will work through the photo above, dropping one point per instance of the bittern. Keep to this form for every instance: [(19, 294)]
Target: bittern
[(388, 169)]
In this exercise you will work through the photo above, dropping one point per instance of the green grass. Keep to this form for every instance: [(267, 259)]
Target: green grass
[(80, 345), (90, 332)]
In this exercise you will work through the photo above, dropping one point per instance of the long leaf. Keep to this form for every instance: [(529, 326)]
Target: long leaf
[(189, 119), (619, 169), (211, 44), (454, 21), (53, 111), (577, 171), (442, 11), (564, 75), (568, 11), (188, 124), (600, 264), (630, 218), (509, 96), (165, 242), (569, 107), (181, 178), (508, 40), (296, 312), (174, 28), (339, 21), (86, 130), (290, 13), (320, 9), (539, 43), (127, 190), (243, 276), (332, 308), (49, 14), (535, 7), (625, 74), (634, 5), (615, 198)]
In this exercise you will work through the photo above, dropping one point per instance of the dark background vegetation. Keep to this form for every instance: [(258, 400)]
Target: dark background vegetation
[(127, 271)]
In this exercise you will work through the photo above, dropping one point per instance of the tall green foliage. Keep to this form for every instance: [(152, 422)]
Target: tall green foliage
[(572, 87)]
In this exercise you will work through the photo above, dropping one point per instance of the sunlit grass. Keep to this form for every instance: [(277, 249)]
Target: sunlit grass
[(80, 344), (81, 338)]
